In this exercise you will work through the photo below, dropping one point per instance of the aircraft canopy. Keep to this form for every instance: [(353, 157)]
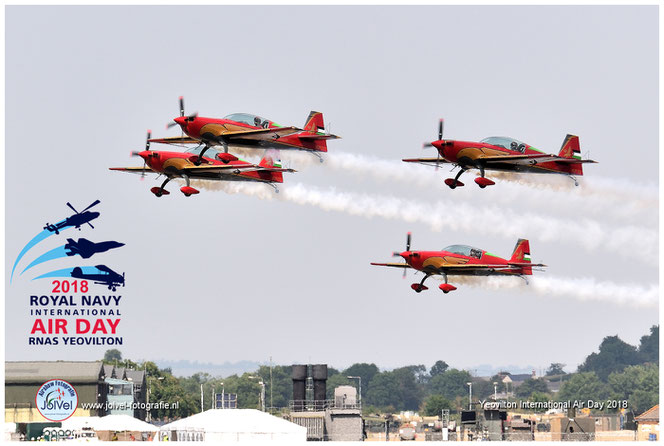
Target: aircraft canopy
[(505, 142), (464, 250), (249, 119)]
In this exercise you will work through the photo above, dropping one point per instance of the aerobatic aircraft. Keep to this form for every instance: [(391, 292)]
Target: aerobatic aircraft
[(503, 154), (86, 249), (76, 220), (249, 131), (106, 276), (216, 166), (462, 260)]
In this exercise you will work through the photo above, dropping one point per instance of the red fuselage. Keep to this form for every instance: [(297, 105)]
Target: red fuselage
[(172, 163), (464, 153)]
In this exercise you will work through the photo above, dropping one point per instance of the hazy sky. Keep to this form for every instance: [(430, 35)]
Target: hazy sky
[(236, 276)]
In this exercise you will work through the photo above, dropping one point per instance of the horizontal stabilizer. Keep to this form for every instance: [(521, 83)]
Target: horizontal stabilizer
[(313, 136)]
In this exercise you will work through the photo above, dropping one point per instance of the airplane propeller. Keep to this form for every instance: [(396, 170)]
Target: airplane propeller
[(191, 116), (441, 125), (147, 148), (398, 254)]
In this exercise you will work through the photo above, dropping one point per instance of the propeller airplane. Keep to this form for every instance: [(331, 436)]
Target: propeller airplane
[(503, 154), (106, 276), (462, 260), (249, 131), (217, 166)]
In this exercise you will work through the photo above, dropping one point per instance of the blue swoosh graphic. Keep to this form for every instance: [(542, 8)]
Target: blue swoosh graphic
[(53, 254), (36, 239)]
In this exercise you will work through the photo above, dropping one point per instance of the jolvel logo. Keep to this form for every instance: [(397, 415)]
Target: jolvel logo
[(56, 400)]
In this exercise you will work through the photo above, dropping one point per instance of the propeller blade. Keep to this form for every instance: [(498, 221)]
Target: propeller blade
[(440, 129), (170, 124), (426, 145), (181, 105), (408, 242), (72, 207), (93, 204), (396, 254), (404, 274), (147, 141), (134, 153)]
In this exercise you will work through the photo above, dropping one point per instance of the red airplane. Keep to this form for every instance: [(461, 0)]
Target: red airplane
[(218, 166), (462, 260), (250, 131), (503, 154)]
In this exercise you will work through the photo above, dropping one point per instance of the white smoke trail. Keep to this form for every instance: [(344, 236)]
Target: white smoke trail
[(584, 289), (627, 240), (618, 198)]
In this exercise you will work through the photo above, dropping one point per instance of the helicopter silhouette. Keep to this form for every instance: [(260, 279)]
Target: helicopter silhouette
[(76, 220)]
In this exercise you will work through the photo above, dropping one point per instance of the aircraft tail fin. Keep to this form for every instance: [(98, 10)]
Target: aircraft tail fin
[(314, 136), (314, 122), (521, 256), (270, 160), (572, 150)]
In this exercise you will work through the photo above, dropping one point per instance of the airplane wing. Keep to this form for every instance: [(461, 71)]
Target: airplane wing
[(244, 135), (229, 168), (394, 265), (427, 161), (259, 134), (141, 170), (176, 140), (529, 159)]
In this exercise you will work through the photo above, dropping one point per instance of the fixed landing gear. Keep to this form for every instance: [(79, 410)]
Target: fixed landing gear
[(454, 182), (446, 287), (419, 287), (200, 155), (159, 191), (188, 190), (483, 182), (576, 182), (318, 155)]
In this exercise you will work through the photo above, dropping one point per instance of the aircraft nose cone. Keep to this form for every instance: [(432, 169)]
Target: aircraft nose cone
[(180, 120), (145, 154)]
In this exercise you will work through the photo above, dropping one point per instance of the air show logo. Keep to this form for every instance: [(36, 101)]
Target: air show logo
[(56, 400)]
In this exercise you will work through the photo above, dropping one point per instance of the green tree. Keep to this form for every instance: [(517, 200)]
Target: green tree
[(582, 386), (434, 405), (531, 385), (556, 368), (450, 384), (365, 371), (614, 355), (112, 356), (649, 346), (638, 384), (438, 368), (398, 388)]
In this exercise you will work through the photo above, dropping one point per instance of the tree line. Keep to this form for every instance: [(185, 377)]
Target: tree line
[(618, 371)]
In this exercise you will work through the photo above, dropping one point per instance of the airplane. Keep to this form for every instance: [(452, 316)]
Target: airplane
[(106, 277), (218, 166), (462, 260), (75, 220), (503, 154), (249, 131), (86, 249)]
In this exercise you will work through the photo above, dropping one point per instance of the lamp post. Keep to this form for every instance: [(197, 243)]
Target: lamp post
[(222, 396), (148, 395), (359, 385), (470, 395), (495, 391)]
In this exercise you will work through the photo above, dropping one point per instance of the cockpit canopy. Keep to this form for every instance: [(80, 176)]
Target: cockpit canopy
[(211, 152), (246, 118), (506, 143), (464, 250)]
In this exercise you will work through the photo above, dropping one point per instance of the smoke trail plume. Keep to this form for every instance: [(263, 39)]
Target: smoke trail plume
[(618, 198), (626, 240), (584, 289)]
